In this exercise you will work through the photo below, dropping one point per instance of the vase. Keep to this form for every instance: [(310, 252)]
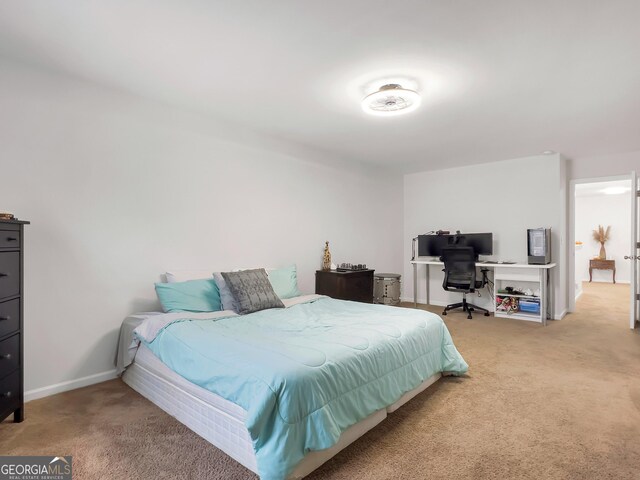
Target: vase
[(603, 252)]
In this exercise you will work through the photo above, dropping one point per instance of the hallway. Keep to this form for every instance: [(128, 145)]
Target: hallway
[(610, 300)]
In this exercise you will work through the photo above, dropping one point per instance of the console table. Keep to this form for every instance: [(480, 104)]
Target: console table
[(598, 264)]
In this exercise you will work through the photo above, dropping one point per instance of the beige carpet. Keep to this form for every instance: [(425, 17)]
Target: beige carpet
[(559, 402)]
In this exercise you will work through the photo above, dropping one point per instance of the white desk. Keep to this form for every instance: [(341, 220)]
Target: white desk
[(503, 272)]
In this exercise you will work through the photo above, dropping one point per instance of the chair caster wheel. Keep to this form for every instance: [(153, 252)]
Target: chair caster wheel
[(486, 314), (444, 313), (469, 317)]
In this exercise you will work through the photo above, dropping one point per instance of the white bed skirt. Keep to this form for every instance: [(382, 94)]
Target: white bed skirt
[(221, 422)]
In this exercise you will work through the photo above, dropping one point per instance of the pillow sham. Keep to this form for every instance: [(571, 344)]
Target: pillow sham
[(284, 281), (251, 290), (189, 296)]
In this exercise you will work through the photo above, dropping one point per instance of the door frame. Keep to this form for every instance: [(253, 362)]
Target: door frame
[(572, 230), (635, 249)]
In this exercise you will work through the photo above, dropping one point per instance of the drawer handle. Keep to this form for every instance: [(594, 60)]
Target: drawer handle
[(5, 318), (12, 239), (6, 395), (4, 274), (6, 356)]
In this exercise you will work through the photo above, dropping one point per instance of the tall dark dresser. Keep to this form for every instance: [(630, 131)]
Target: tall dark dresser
[(11, 321)]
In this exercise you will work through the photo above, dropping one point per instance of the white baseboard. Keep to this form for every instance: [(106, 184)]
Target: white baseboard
[(410, 300), (69, 385), (422, 301), (440, 303), (624, 282), (561, 315)]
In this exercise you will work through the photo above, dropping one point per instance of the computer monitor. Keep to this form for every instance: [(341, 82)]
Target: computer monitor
[(432, 245), (482, 243)]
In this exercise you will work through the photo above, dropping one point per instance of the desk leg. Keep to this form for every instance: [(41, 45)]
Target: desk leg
[(427, 282), (415, 285), (545, 295)]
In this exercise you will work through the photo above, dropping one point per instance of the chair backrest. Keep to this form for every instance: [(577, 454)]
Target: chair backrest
[(459, 269)]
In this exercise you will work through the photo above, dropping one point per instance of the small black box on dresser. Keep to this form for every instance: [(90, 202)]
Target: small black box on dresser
[(11, 319), (356, 285)]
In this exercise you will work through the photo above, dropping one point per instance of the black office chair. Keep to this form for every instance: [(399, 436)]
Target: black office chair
[(460, 276)]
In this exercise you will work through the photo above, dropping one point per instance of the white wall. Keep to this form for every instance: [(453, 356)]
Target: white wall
[(505, 198), (604, 165), (119, 189), (594, 210)]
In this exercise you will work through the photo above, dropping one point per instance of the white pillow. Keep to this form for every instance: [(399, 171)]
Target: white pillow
[(226, 297), (184, 275)]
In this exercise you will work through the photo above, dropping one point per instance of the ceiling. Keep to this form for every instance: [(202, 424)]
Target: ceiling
[(596, 189), (499, 79)]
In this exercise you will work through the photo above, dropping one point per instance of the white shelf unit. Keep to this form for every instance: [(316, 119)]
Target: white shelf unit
[(534, 279)]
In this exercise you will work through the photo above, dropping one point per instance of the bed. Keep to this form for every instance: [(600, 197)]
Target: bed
[(283, 390)]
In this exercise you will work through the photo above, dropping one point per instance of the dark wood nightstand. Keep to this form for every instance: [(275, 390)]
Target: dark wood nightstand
[(597, 264), (11, 319), (352, 285)]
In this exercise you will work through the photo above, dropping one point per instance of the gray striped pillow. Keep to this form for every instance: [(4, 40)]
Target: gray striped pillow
[(252, 290)]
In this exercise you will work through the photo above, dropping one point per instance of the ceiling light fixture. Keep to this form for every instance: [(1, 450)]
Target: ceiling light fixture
[(615, 190), (390, 100)]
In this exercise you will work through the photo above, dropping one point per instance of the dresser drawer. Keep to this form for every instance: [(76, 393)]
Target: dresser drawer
[(9, 274), (603, 264), (9, 317), (10, 394), (9, 355), (9, 239), (356, 285)]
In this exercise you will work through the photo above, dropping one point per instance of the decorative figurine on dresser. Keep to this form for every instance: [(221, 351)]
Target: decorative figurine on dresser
[(11, 317), (326, 257)]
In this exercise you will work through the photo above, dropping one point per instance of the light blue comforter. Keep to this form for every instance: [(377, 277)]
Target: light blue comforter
[(306, 373)]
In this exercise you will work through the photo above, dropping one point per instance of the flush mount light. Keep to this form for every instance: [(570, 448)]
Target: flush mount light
[(390, 100), (615, 190)]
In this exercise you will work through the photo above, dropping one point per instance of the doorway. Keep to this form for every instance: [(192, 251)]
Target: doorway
[(601, 272)]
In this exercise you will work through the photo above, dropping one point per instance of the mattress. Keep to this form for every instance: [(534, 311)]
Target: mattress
[(210, 416), (221, 422), (147, 360), (307, 372)]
